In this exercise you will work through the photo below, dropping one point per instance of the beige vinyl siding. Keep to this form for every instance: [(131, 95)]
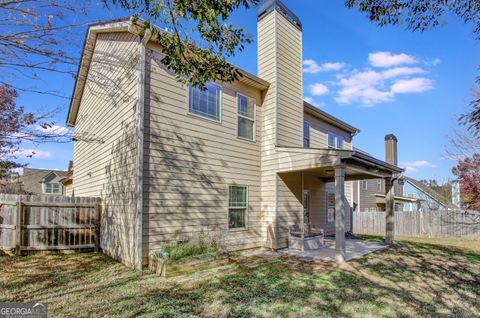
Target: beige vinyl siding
[(267, 65), (104, 150), (280, 63), (190, 161), (319, 130)]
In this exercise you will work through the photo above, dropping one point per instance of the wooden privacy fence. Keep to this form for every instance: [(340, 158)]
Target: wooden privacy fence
[(435, 223), (48, 222)]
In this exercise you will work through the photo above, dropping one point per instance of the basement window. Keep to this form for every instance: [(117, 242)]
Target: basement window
[(205, 102), (237, 207), (246, 117)]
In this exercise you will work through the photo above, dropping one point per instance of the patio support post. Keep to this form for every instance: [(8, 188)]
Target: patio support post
[(389, 211), (339, 214)]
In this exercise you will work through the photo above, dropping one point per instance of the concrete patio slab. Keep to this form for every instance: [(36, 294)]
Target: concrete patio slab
[(354, 249)]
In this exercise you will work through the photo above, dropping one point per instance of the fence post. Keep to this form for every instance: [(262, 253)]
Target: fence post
[(18, 227), (97, 226)]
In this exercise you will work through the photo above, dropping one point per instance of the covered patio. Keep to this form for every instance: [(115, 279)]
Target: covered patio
[(353, 249), (338, 166)]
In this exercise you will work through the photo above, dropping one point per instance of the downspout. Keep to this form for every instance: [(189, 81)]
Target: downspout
[(140, 122)]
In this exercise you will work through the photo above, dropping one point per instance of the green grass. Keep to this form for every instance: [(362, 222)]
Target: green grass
[(412, 279), (187, 249)]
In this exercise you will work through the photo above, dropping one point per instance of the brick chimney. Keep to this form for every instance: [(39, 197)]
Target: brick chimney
[(391, 153)]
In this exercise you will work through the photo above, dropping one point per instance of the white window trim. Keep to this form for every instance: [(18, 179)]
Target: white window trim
[(336, 136), (362, 182), (45, 188), (248, 118), (237, 229), (220, 105), (328, 206)]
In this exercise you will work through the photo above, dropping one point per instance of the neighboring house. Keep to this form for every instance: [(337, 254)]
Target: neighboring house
[(369, 195), (42, 181), (11, 184), (456, 193), (429, 199), (242, 160), (67, 181)]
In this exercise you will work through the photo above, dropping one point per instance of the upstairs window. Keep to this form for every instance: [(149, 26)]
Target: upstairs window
[(237, 207), (306, 134), (364, 184), (52, 188), (335, 141), (379, 185), (205, 102), (246, 117)]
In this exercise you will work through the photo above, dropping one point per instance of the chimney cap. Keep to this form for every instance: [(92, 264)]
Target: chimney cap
[(391, 137), (271, 5)]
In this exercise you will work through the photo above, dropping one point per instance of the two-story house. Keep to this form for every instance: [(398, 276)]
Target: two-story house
[(243, 160)]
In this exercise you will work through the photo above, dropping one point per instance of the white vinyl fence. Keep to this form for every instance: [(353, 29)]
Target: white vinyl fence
[(441, 223)]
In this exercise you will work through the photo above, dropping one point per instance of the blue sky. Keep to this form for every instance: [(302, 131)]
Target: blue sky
[(381, 80)]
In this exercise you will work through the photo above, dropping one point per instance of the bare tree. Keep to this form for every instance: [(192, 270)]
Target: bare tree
[(36, 37)]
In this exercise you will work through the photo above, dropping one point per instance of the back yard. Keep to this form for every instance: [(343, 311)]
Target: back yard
[(413, 279)]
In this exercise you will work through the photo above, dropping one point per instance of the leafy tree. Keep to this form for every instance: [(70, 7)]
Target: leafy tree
[(424, 15), (194, 61), (468, 172), (13, 120)]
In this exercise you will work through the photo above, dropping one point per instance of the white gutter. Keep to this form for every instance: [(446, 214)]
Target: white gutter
[(140, 123)]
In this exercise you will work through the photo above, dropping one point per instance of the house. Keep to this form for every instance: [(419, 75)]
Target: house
[(10, 183), (410, 194), (67, 181), (42, 181), (369, 195), (428, 197), (242, 160)]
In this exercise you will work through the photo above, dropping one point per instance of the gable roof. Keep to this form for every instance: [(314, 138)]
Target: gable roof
[(317, 112), (32, 178), (431, 193), (123, 25)]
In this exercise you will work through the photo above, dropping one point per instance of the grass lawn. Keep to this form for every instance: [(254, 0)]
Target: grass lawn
[(414, 279)]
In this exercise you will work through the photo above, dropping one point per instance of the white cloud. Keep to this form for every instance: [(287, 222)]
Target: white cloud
[(413, 166), (371, 87), (35, 153), (412, 85), (309, 100), (318, 89), (311, 66), (388, 59), (419, 163), (54, 130), (410, 169)]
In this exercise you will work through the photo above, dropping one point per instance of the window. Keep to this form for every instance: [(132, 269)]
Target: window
[(330, 206), (237, 206), (306, 134), (52, 188), (379, 185), (205, 102), (364, 184), (246, 117), (335, 141)]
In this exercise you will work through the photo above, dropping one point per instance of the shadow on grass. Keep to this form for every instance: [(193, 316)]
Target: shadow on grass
[(407, 280)]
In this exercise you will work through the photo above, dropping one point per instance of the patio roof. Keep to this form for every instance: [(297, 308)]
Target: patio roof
[(321, 162)]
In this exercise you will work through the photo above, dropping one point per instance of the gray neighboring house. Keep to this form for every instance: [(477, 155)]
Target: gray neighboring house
[(42, 181), (427, 198)]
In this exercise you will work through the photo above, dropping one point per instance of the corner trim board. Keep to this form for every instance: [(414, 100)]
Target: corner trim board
[(140, 121)]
